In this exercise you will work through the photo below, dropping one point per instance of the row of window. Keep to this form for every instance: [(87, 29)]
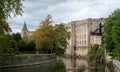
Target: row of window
[(96, 40), (80, 29), (82, 24), (81, 48), (81, 37), (81, 43)]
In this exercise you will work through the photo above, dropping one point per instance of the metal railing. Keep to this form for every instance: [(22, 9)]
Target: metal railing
[(116, 63)]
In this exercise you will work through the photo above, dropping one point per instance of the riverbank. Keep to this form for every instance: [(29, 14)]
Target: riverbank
[(18, 61), (62, 64)]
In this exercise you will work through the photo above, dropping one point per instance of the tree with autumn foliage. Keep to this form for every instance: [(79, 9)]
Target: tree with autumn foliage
[(44, 35), (51, 39)]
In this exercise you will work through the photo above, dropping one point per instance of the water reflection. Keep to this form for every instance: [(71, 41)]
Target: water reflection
[(56, 66), (62, 65), (36, 68), (76, 65)]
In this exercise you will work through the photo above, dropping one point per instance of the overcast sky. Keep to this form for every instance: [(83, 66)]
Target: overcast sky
[(62, 11)]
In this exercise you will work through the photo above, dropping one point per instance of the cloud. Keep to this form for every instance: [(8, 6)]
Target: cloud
[(62, 11)]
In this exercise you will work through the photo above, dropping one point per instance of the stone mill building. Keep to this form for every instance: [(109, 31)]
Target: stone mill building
[(84, 34)]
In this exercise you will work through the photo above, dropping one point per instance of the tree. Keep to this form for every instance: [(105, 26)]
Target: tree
[(112, 34), (108, 42), (61, 37), (16, 37), (26, 46), (51, 38), (6, 45), (8, 8), (97, 52), (116, 33), (31, 46), (44, 35)]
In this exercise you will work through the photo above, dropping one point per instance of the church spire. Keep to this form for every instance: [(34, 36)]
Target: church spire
[(25, 26), (24, 31)]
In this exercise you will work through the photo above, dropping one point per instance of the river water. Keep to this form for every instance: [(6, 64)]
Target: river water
[(63, 65)]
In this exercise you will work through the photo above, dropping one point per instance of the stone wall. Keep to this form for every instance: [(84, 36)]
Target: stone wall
[(14, 61)]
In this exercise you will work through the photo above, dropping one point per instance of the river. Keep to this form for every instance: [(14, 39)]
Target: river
[(63, 65)]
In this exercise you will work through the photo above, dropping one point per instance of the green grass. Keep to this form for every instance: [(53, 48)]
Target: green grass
[(23, 54), (27, 54)]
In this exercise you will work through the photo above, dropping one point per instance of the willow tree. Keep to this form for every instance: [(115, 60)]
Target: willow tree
[(112, 34), (8, 8)]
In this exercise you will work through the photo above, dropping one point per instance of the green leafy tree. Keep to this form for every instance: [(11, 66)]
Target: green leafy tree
[(116, 33), (22, 44), (8, 8), (16, 37), (26, 46), (108, 42), (61, 37), (6, 45), (97, 52), (31, 45), (47, 45), (112, 34)]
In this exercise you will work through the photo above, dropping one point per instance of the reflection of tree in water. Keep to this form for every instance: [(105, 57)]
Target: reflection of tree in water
[(97, 66), (97, 69), (58, 67)]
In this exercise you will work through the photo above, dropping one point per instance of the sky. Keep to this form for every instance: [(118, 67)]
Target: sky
[(62, 11)]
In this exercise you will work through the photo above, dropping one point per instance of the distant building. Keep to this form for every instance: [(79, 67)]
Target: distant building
[(84, 33), (26, 34)]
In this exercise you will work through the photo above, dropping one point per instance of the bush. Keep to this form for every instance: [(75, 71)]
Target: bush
[(97, 52), (6, 44), (26, 46)]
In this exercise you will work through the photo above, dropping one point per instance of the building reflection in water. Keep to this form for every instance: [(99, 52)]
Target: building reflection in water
[(76, 65)]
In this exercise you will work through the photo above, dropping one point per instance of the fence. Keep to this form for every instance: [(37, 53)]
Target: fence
[(116, 63)]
